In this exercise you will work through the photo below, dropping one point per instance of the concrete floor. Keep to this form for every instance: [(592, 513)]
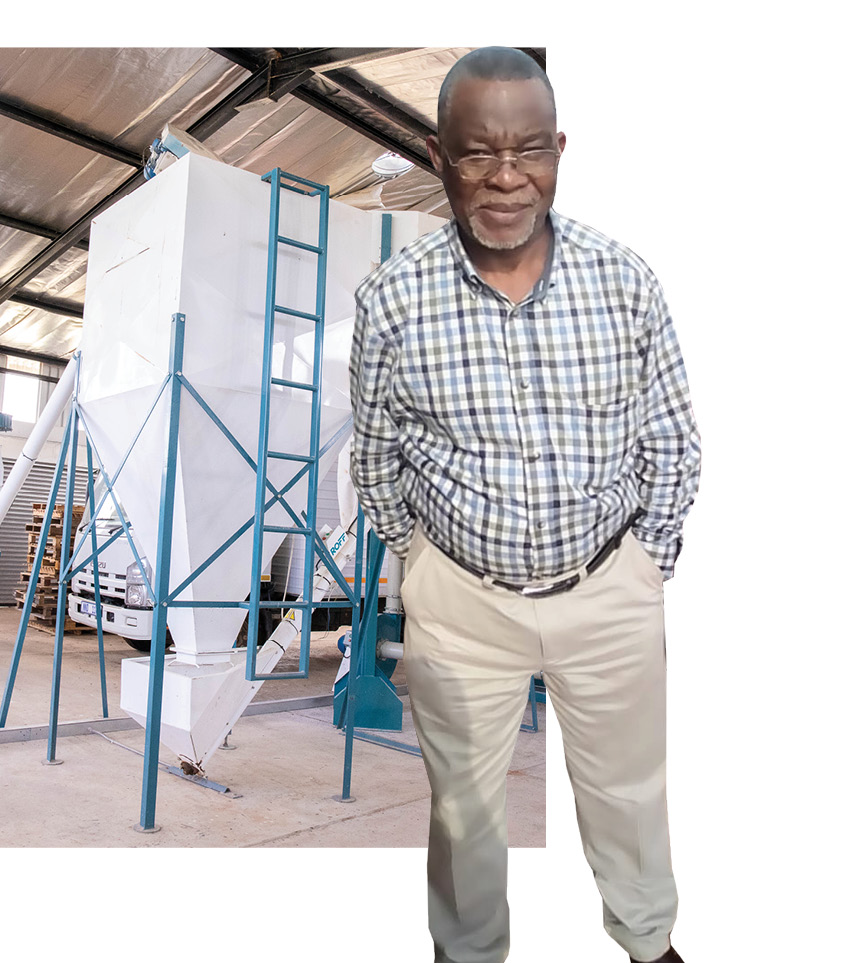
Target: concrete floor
[(284, 776)]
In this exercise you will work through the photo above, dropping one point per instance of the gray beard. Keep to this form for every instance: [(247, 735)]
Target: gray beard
[(511, 244)]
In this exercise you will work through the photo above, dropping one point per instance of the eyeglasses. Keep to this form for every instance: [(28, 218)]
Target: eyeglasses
[(479, 167)]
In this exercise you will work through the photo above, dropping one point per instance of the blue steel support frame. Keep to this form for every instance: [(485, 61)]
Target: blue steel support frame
[(358, 625), (362, 638), (165, 525), (109, 485), (108, 492), (533, 705), (68, 451), (96, 588), (62, 591), (160, 593), (315, 427), (34, 578)]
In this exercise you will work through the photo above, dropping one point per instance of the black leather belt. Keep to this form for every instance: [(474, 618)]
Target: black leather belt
[(565, 584)]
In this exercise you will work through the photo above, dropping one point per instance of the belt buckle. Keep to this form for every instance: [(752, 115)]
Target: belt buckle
[(530, 591), (554, 588)]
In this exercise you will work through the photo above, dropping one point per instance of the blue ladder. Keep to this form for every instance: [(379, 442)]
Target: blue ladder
[(305, 528)]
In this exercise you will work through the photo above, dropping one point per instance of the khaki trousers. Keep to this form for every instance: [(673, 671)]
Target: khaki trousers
[(470, 651)]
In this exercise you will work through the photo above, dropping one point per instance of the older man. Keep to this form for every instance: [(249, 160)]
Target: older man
[(524, 437)]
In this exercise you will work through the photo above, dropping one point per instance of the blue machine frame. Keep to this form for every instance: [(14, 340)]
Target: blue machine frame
[(163, 599)]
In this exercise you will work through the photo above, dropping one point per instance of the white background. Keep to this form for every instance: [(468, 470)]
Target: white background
[(714, 140)]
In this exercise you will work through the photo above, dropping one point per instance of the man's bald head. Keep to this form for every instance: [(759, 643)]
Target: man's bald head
[(489, 63)]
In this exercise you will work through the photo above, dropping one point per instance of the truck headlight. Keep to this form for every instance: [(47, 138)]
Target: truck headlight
[(136, 594)]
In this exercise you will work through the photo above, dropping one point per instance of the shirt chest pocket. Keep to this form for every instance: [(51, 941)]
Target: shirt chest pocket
[(596, 442), (604, 382), (596, 361)]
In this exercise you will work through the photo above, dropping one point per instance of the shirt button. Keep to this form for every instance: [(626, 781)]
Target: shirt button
[(524, 382), (534, 456), (541, 524)]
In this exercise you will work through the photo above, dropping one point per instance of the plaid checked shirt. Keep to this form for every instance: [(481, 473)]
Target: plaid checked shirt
[(521, 436)]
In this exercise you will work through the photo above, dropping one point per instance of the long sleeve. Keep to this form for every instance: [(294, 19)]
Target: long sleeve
[(376, 458), (668, 453)]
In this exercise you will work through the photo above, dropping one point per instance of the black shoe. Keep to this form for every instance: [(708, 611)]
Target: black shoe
[(670, 956)]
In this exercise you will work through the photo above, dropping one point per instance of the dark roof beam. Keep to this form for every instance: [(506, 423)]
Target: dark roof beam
[(214, 119), (29, 228), (388, 143), (32, 356), (322, 59), (379, 104), (48, 126), (278, 87), (65, 308), (289, 73), (66, 240), (250, 58), (220, 114), (28, 374)]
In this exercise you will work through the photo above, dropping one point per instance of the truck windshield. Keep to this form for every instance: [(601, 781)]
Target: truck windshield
[(107, 512)]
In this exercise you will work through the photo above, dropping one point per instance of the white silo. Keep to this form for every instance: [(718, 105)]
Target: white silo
[(193, 241)]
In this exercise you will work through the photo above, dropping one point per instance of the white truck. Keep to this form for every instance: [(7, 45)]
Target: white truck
[(126, 606)]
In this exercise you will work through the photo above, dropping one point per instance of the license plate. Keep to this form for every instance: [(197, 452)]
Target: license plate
[(87, 608)]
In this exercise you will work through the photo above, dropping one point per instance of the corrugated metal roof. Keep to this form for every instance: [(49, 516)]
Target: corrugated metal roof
[(76, 126)]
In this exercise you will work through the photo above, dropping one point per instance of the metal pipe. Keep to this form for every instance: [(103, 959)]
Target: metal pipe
[(393, 585), (390, 650), (38, 436)]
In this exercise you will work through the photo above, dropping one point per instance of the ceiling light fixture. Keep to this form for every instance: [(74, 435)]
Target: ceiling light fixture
[(391, 165)]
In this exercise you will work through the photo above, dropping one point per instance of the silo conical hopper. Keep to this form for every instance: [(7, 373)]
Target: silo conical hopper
[(194, 241)]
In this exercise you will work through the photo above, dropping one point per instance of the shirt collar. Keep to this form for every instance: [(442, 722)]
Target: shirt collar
[(471, 275)]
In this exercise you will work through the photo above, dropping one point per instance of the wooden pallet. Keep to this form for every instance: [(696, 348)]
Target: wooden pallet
[(43, 597), (55, 524), (40, 508), (48, 561), (52, 543), (47, 577), (43, 613), (34, 530), (45, 581), (70, 628)]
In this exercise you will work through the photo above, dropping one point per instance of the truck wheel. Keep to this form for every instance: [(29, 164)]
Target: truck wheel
[(144, 645)]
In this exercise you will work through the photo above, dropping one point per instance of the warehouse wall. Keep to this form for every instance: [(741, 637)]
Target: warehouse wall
[(13, 530)]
